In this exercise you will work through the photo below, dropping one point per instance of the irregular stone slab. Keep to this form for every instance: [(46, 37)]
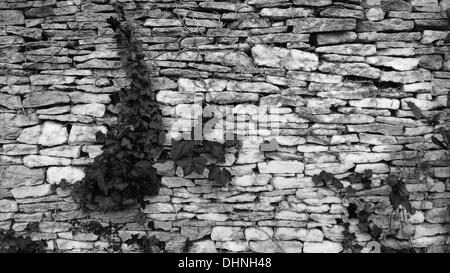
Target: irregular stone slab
[(174, 98), (302, 234), (62, 151), (162, 23), (430, 36), (202, 85), (36, 191), (258, 234), (344, 119), (351, 69), (33, 161), (81, 134), (401, 64), (53, 134), (226, 6), (420, 75), (51, 79), (376, 168), (314, 3), (284, 58), (313, 77), (176, 182), (228, 97), (45, 98), (335, 38), (349, 49), (322, 247), (404, 52), (30, 135), (91, 109), (238, 60), (10, 101), (69, 174), (382, 36), (431, 62), (19, 149), (341, 12), (33, 33), (278, 13), (278, 38), (376, 103), (376, 139), (276, 166), (257, 87), (364, 157), (8, 206), (219, 233), (309, 25), (385, 25), (206, 246), (12, 17)]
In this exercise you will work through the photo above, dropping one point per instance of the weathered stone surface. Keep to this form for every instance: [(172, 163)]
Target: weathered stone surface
[(322, 247), (278, 13), (53, 134), (420, 75), (401, 64), (19, 149), (51, 79), (339, 118), (376, 103), (174, 98), (202, 85), (91, 109), (8, 206), (45, 98), (257, 87), (81, 134), (62, 151), (354, 69), (32, 191), (386, 25), (69, 174), (33, 161), (283, 58), (227, 233), (19, 175), (311, 235), (175, 182), (11, 17), (275, 166), (335, 38), (306, 25), (349, 49)]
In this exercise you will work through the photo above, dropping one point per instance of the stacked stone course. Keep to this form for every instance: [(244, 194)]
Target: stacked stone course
[(338, 75)]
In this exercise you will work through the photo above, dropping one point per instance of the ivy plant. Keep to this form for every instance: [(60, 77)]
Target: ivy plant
[(124, 174)]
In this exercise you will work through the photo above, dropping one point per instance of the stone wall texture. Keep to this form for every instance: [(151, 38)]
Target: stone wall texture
[(337, 75)]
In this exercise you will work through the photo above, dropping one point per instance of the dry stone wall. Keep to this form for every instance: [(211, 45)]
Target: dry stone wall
[(333, 76)]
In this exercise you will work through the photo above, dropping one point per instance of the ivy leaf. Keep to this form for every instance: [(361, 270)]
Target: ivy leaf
[(220, 176), (375, 232), (189, 165), (395, 200), (182, 148), (216, 149), (269, 147), (415, 110), (438, 143), (224, 177), (143, 168)]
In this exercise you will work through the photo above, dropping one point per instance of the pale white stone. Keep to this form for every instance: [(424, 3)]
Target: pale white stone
[(69, 173), (53, 134)]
